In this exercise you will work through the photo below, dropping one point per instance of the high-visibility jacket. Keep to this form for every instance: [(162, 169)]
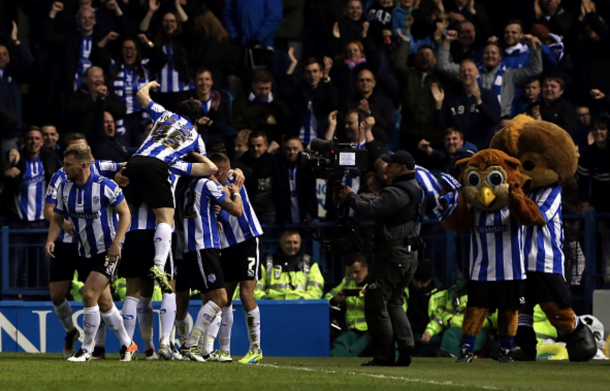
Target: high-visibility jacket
[(299, 278), (447, 309), (354, 305), (76, 289), (543, 328)]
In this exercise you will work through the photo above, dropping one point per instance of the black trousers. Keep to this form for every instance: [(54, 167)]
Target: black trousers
[(386, 319)]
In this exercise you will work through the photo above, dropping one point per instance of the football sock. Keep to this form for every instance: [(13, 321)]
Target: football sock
[(163, 243), (64, 314), (206, 315), (208, 344), (130, 314), (253, 321), (506, 343), (100, 336), (91, 322), (210, 336), (115, 322), (168, 316), (224, 333), (468, 342), (183, 328), (145, 318)]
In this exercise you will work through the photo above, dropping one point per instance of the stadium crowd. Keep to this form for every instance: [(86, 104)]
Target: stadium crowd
[(437, 78)]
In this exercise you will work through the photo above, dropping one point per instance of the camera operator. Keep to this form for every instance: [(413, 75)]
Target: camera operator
[(397, 213)]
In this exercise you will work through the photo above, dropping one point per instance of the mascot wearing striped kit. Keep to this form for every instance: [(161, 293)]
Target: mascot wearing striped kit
[(547, 155), (489, 203)]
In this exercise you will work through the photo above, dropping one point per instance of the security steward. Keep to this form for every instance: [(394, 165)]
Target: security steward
[(397, 213)]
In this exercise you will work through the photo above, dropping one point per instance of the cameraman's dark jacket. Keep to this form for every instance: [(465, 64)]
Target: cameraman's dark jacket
[(392, 204)]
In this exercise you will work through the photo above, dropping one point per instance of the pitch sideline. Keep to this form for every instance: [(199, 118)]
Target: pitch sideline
[(439, 383)]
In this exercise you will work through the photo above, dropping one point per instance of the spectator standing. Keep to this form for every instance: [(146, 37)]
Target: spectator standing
[(553, 107), (108, 146), (417, 100), (257, 165), (86, 108), (456, 148), (294, 187), (529, 97), (593, 173), (473, 110), (311, 98), (369, 100), (129, 73), (169, 54), (494, 75), (12, 75)]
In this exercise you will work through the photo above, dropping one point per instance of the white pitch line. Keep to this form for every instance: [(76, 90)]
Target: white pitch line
[(439, 383)]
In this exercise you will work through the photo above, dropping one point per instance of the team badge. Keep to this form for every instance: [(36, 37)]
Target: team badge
[(96, 200), (211, 278)]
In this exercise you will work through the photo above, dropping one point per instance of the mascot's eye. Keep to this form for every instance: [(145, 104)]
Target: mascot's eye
[(474, 179), (528, 165), (495, 178)]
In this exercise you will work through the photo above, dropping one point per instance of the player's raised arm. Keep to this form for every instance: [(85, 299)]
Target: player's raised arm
[(203, 167), (143, 95)]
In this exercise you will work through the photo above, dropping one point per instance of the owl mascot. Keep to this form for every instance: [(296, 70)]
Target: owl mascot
[(488, 202)]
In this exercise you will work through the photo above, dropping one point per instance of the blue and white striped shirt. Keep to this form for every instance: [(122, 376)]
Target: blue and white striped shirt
[(309, 128), (427, 180), (496, 246), (126, 84), (87, 207), (238, 229), (144, 218), (30, 198), (543, 246), (103, 168), (172, 136), (83, 61), (200, 229), (169, 78)]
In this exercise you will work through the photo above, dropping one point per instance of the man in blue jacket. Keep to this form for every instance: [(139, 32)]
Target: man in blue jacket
[(253, 21)]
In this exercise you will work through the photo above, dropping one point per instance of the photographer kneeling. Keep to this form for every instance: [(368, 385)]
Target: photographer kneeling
[(397, 213)]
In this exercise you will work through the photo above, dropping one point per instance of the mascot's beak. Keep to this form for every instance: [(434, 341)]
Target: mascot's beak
[(486, 195)]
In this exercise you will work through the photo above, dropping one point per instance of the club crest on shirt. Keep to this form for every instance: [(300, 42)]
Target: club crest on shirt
[(96, 200), (212, 278)]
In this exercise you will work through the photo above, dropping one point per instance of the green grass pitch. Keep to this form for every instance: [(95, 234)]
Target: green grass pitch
[(20, 371)]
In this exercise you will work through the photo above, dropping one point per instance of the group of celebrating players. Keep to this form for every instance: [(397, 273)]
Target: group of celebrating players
[(91, 217)]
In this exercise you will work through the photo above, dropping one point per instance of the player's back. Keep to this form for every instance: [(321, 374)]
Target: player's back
[(200, 230), (171, 138), (238, 229)]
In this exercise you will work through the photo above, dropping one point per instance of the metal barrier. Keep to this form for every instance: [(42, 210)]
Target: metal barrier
[(25, 268)]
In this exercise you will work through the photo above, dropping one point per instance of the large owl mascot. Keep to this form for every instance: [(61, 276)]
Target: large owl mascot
[(487, 201)]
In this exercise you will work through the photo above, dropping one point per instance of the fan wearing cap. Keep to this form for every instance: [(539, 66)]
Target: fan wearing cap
[(397, 213)]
